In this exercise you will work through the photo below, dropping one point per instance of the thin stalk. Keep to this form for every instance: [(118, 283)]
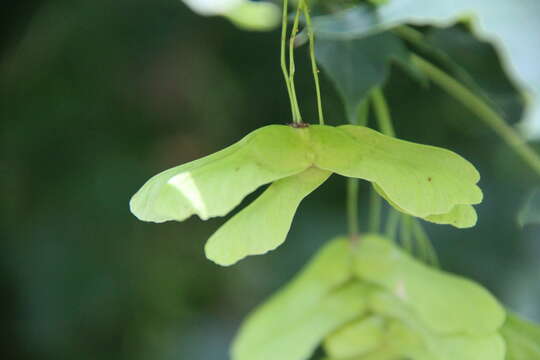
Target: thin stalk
[(406, 232), (383, 113), (292, 68), (363, 114), (352, 208), (375, 207), (429, 253), (352, 185), (482, 110), (392, 222), (384, 120), (314, 68), (412, 35), (283, 57)]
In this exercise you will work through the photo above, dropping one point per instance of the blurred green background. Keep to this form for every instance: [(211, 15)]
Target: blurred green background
[(97, 96)]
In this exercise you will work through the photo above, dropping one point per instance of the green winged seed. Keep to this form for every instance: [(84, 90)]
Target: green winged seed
[(451, 347), (293, 322), (405, 336), (216, 184), (446, 303), (298, 340), (522, 338), (409, 337), (422, 180), (461, 216), (263, 225), (356, 338)]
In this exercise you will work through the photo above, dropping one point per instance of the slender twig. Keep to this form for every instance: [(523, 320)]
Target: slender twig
[(352, 208), (375, 207), (429, 253), (392, 222), (384, 120), (409, 226), (406, 232), (283, 59), (411, 35), (362, 115), (352, 186), (292, 68), (313, 61), (482, 110), (383, 113)]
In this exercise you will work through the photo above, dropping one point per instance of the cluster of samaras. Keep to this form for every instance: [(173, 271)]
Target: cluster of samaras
[(372, 301)]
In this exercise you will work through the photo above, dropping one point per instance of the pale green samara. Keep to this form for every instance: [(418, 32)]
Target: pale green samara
[(370, 300), (424, 181)]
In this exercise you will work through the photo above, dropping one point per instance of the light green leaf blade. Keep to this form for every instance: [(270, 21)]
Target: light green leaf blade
[(444, 302), (522, 338), (356, 339), (476, 64), (291, 324), (214, 185), (422, 180), (507, 24), (362, 64), (530, 212), (255, 16), (246, 14), (263, 225)]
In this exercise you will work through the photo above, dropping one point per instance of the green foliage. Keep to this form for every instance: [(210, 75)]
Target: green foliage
[(366, 58), (247, 15), (255, 16), (423, 181), (59, 182), (464, 56), (495, 21), (366, 299)]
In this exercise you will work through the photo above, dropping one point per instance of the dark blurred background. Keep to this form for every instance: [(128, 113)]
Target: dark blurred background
[(97, 96)]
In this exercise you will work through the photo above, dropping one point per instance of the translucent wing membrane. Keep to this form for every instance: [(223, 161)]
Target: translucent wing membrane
[(216, 184), (398, 308), (446, 303), (357, 338), (263, 225), (422, 180), (407, 336), (294, 321), (461, 216), (522, 339)]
